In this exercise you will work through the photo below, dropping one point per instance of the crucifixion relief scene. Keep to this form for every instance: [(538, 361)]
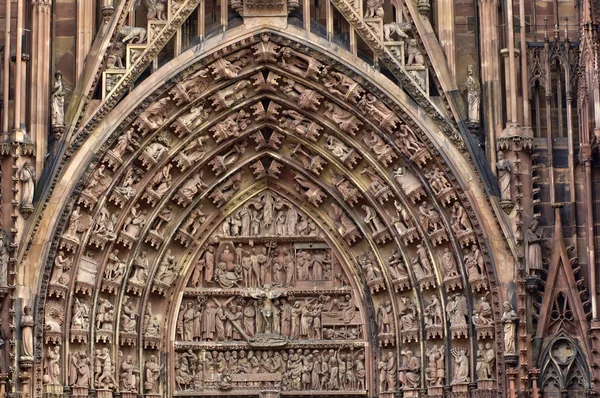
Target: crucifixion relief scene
[(293, 198)]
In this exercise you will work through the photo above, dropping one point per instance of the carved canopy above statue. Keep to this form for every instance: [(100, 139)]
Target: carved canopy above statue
[(266, 219)]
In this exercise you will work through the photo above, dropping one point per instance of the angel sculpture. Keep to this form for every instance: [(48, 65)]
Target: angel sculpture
[(457, 310)]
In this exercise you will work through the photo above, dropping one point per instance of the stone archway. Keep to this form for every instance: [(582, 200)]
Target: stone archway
[(265, 113)]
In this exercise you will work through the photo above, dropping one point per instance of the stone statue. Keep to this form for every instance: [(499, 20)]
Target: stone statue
[(482, 313), (140, 268), (474, 263), (374, 9), (106, 379), (129, 316), (448, 264), (388, 373), (4, 257), (503, 169), (79, 370), (415, 57), (485, 361), (460, 220), (533, 238), (372, 220), (461, 366), (457, 310), (410, 371), (436, 369), (433, 313), (80, 319), (27, 326), (27, 177), (130, 375), (385, 318), (509, 319), (473, 95), (59, 92), (104, 315), (152, 370), (151, 323), (52, 365), (337, 147)]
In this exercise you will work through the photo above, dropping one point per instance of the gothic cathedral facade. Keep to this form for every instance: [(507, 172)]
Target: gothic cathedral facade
[(291, 198)]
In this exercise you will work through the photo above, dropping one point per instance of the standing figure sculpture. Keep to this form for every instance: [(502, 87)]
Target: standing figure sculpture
[(533, 238), (27, 177), (27, 333), (509, 319), (503, 168), (473, 95), (58, 100)]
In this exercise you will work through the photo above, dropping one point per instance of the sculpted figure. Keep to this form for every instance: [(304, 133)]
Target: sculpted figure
[(126, 189), (509, 319), (503, 169), (299, 64), (474, 263), (430, 218), (345, 120), (194, 118), (27, 326), (192, 186), (151, 323), (373, 220), (410, 371), (533, 239), (396, 265), (156, 113), (4, 257), (61, 265), (302, 125), (115, 267), (461, 366), (408, 317), (99, 182), (460, 220), (377, 145), (106, 379), (457, 310), (135, 221), (126, 142), (342, 85), (231, 127), (156, 9), (407, 141), (395, 27), (448, 264), (374, 9), (166, 272), (388, 373), (337, 147), (161, 182), (27, 177), (130, 375), (58, 100), (152, 371), (129, 316), (193, 86), (105, 225), (407, 181), (132, 34), (193, 221), (140, 268), (473, 95), (81, 316), (195, 150), (344, 224), (433, 313), (155, 150), (385, 318), (105, 315), (415, 57), (306, 98), (437, 180), (52, 365), (436, 369), (482, 314), (79, 370)]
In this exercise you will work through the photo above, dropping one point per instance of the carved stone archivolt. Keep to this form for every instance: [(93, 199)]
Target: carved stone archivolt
[(294, 235)]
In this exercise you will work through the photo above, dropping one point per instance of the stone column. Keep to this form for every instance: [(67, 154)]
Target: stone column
[(39, 100), (490, 74), (85, 31), (445, 19)]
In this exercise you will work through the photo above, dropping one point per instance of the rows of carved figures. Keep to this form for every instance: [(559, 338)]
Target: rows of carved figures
[(136, 226)]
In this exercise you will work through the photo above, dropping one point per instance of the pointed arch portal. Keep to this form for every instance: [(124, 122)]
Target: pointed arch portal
[(258, 218)]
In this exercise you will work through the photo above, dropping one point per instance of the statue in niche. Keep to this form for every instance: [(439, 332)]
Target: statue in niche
[(304, 126), (387, 373), (231, 127), (74, 223), (433, 313), (156, 113), (482, 313), (374, 107), (436, 369), (374, 9), (194, 150), (27, 177), (140, 268), (80, 319), (437, 180), (415, 57), (461, 366), (385, 318), (448, 261), (430, 218), (167, 269), (115, 267), (130, 375), (135, 221), (403, 221), (194, 220), (129, 316), (407, 141), (126, 188), (61, 265), (306, 98), (299, 64), (193, 185), (533, 239), (344, 225), (408, 316), (229, 68), (161, 182), (52, 365), (337, 147), (59, 92), (114, 60), (396, 265), (99, 182), (509, 319), (457, 310), (379, 147), (410, 371), (105, 315), (152, 370), (421, 264), (473, 95), (106, 379), (105, 225), (156, 9), (4, 257), (79, 370), (157, 149), (151, 323), (372, 220), (460, 220), (474, 263), (164, 216), (345, 120), (27, 326), (342, 85), (408, 182), (127, 142), (395, 27), (485, 361), (503, 169), (53, 320)]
